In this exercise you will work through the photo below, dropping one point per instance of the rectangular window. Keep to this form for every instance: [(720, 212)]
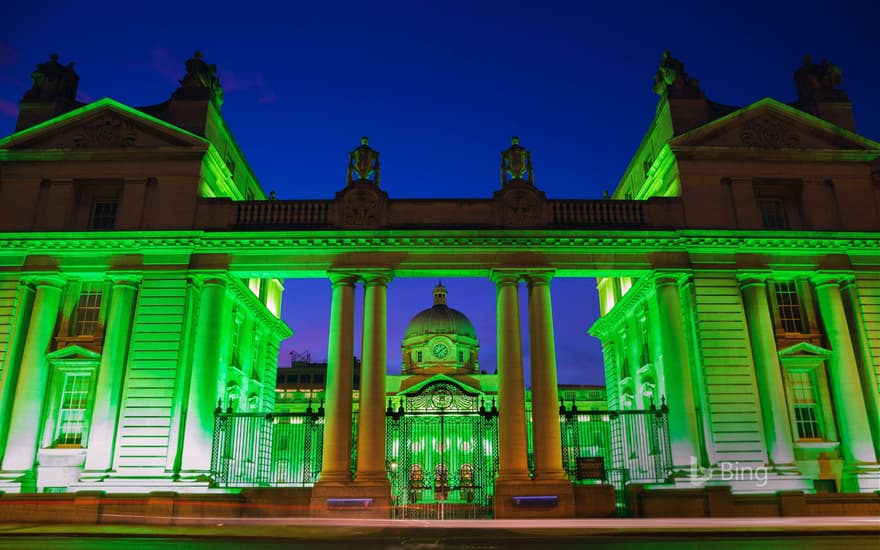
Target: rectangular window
[(88, 309), (72, 412), (805, 406), (772, 213), (461, 357), (789, 307), (104, 214)]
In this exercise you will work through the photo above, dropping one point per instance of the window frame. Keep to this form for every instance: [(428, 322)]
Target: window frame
[(810, 359), (72, 361)]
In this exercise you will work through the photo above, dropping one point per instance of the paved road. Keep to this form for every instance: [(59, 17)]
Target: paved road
[(642, 534)]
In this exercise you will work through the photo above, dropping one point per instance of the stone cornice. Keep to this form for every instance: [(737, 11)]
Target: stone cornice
[(617, 242)]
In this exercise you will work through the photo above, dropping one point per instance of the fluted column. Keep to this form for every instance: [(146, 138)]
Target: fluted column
[(771, 388), (371, 414), (683, 433), (108, 392), (203, 387), (27, 407), (545, 395), (846, 388), (336, 465), (513, 452), (855, 318)]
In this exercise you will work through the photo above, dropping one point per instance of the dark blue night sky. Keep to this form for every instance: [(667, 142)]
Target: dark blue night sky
[(439, 87)]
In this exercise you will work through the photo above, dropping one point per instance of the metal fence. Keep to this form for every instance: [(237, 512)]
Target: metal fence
[(267, 450), (616, 447), (285, 449)]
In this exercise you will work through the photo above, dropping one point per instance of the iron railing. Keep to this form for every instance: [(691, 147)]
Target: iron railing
[(442, 462), (267, 450)]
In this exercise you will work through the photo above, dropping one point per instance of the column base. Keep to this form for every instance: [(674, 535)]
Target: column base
[(533, 499), (18, 482), (860, 478), (351, 500)]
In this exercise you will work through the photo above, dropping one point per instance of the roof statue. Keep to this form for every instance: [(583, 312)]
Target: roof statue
[(671, 79), (363, 164), (53, 82), (200, 75), (516, 164), (822, 77)]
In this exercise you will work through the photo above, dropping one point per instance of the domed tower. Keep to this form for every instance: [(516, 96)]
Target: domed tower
[(440, 340)]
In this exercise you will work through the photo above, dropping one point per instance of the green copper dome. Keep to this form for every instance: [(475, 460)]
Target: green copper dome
[(440, 319)]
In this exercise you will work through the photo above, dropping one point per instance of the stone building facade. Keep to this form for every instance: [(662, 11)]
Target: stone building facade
[(140, 274)]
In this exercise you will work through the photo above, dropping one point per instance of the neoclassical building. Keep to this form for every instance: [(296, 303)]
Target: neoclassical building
[(140, 290), (761, 332)]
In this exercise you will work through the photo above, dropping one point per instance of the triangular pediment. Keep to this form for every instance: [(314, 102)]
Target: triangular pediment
[(804, 350), (768, 125), (73, 354), (104, 124)]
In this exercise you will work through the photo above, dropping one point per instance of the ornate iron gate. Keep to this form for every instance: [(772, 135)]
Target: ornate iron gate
[(267, 450), (442, 453)]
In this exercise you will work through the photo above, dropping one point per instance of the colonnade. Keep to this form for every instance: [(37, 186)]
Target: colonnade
[(513, 452)]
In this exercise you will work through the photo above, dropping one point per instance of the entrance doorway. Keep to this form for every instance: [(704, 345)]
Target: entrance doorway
[(442, 453)]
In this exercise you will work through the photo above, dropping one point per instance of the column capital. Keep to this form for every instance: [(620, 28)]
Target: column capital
[(753, 278), (342, 278), (825, 278), (125, 279), (505, 277), (376, 277), (542, 277), (47, 280), (209, 278), (669, 278)]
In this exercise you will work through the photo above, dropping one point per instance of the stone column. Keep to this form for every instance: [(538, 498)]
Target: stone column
[(336, 462), (27, 406), (683, 433), (545, 396), (846, 388), (203, 386), (371, 415), (108, 392), (855, 318), (513, 452), (24, 302), (771, 387)]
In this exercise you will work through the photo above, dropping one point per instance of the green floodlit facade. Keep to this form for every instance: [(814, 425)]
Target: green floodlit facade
[(738, 264)]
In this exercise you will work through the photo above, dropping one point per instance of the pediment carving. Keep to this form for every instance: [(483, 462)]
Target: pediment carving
[(105, 127), (769, 133), (769, 125)]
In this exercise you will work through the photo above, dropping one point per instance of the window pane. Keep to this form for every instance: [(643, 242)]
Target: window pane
[(88, 310), (788, 303), (72, 413), (772, 213), (104, 213), (803, 393)]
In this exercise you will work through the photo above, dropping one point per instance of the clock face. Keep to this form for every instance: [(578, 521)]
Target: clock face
[(440, 351)]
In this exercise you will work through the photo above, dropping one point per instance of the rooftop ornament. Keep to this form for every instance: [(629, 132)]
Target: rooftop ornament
[(201, 76), (516, 164), (363, 164), (672, 81), (53, 82)]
